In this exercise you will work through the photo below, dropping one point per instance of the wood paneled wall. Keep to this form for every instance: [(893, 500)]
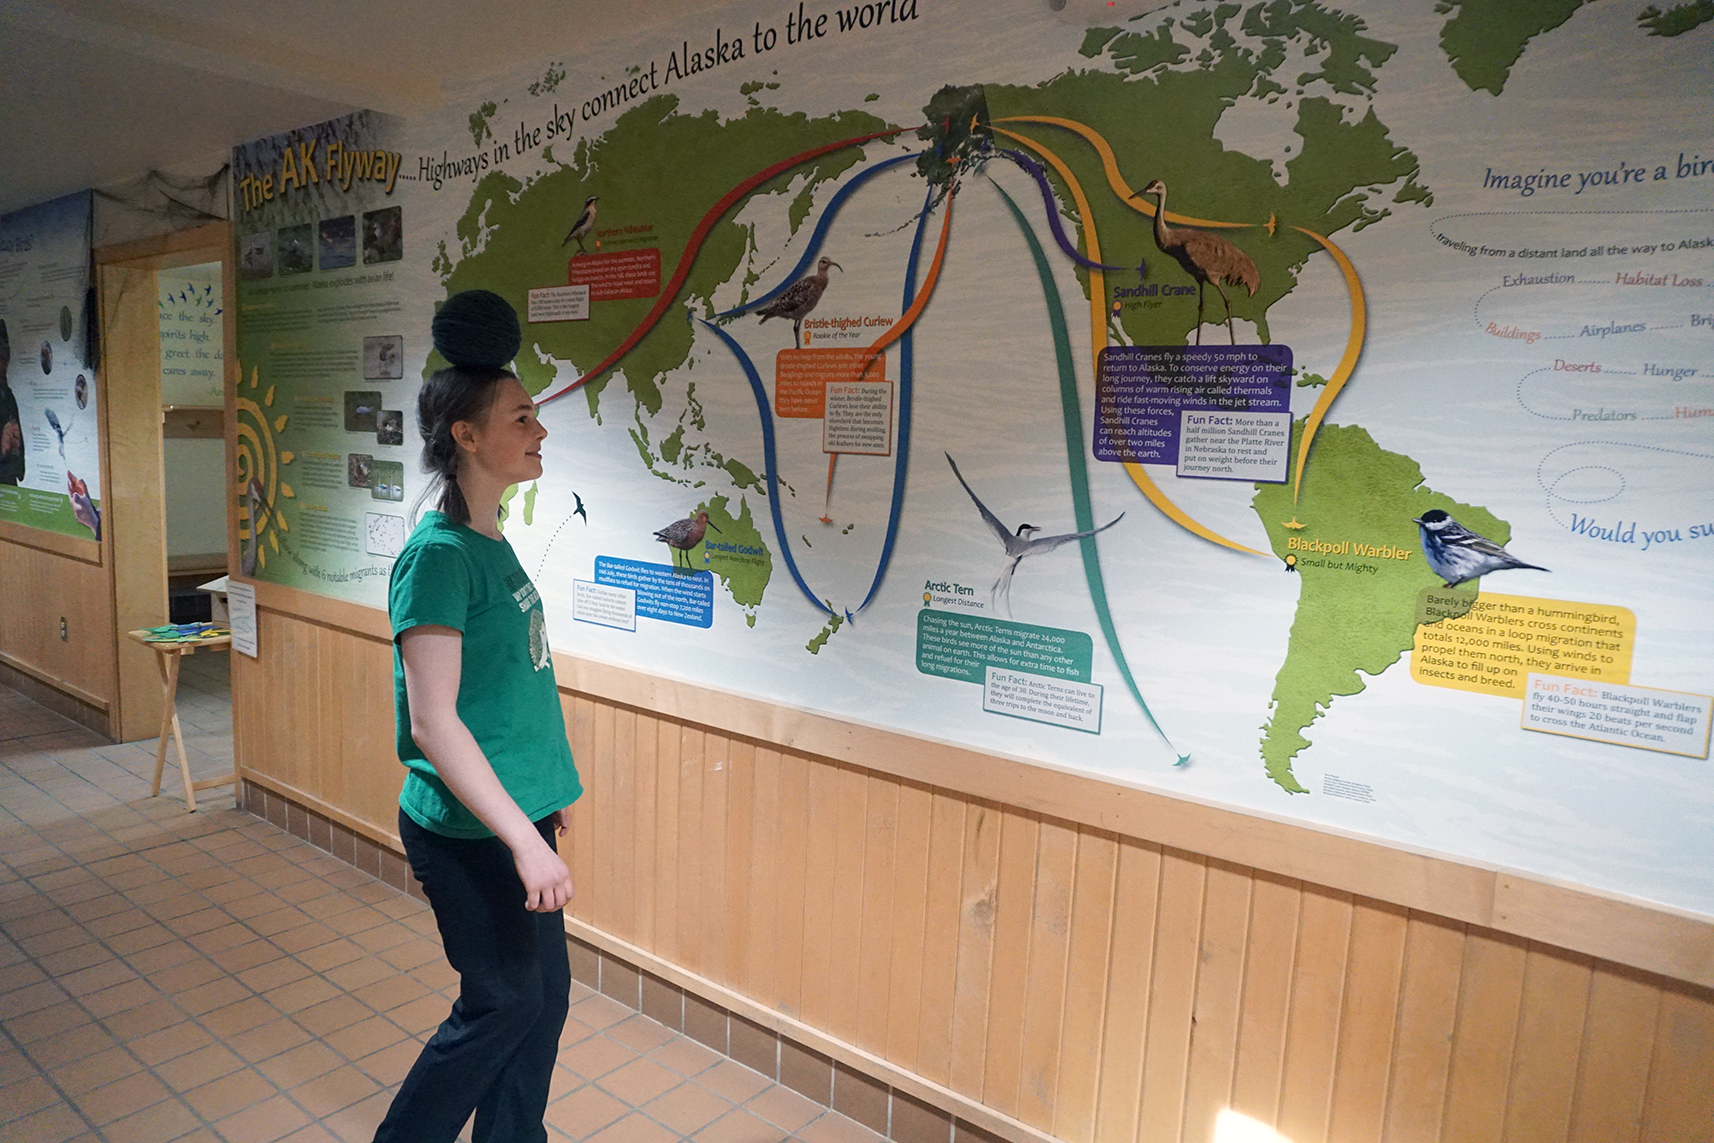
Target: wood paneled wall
[(1041, 976), (44, 577)]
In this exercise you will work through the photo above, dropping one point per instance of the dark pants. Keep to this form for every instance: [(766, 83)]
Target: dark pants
[(495, 1053)]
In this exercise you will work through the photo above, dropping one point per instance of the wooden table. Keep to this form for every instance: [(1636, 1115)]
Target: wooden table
[(168, 653)]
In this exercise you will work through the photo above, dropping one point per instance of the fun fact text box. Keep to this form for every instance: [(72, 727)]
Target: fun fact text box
[(801, 377), (619, 274), (604, 604), (1057, 702), (1501, 640), (859, 418), (559, 303), (1140, 391), (1234, 446), (663, 592), (963, 647), (1671, 722)]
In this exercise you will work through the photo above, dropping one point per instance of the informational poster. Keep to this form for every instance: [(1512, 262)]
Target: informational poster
[(1305, 408), (50, 440)]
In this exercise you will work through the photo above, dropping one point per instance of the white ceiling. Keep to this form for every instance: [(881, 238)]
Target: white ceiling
[(94, 92)]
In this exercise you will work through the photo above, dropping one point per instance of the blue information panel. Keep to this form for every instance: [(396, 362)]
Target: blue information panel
[(663, 591)]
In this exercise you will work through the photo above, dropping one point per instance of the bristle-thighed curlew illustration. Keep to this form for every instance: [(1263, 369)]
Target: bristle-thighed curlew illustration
[(1205, 257), (800, 298)]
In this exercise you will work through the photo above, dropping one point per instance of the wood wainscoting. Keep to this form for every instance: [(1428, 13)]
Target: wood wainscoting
[(1042, 955)]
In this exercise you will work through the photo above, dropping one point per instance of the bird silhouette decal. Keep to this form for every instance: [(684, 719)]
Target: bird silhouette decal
[(1205, 257), (54, 423), (578, 511), (800, 298), (1456, 554), (683, 535), (584, 224), (1024, 542)]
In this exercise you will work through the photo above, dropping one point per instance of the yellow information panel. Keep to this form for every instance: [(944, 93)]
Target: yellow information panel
[(1493, 643)]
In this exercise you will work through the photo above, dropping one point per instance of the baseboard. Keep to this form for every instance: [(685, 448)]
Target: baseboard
[(56, 700)]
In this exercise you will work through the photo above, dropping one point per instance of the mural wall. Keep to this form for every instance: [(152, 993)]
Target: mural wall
[(50, 441), (1303, 407)]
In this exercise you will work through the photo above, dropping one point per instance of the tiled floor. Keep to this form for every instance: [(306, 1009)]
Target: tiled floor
[(206, 976)]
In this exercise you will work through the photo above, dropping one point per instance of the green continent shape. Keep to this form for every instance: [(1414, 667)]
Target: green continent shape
[(1161, 120), (653, 167), (745, 573), (1348, 623), (833, 624), (1677, 20), (1484, 38)]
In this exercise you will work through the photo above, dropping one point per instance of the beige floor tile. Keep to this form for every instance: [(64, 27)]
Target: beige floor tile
[(422, 1015), (167, 1120), (263, 1123), (229, 1094), (25, 1097), (365, 1037), (640, 1081), (635, 1128), (184, 977), (119, 1098), (48, 1020), (390, 992), (273, 974), (67, 1047), (162, 956), (301, 1064), (144, 1018), (733, 1080), (270, 1039), (687, 1108), (685, 1056), (833, 1127), (248, 954), (301, 994), (330, 1015), (138, 939), (353, 973), (337, 1089), (92, 1071), (314, 1133), (169, 1043), (57, 1124), (204, 1065), (596, 1056), (119, 998), (413, 953), (600, 1011), (215, 994), (85, 954), (740, 1126), (251, 1012), (785, 1108), (584, 1112), (32, 998), (641, 1033), (390, 1064)]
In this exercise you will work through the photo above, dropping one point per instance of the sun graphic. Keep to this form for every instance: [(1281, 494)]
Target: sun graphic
[(260, 484)]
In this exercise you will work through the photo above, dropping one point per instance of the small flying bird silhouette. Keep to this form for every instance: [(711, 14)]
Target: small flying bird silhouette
[(1456, 554), (578, 511), (1020, 543), (800, 298), (1205, 257), (683, 535), (584, 224)]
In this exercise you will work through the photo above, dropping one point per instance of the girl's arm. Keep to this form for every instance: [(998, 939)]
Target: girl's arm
[(433, 660)]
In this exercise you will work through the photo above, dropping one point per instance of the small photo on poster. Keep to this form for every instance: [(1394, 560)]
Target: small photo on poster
[(383, 358), (385, 534), (294, 250), (390, 427), (80, 391), (338, 242), (383, 235), (256, 255), (389, 481), (65, 323), (362, 410), (47, 356), (358, 471)]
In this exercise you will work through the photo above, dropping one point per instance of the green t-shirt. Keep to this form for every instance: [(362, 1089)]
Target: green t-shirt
[(453, 576)]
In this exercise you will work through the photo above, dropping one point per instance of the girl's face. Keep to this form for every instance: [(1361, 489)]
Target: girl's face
[(507, 441)]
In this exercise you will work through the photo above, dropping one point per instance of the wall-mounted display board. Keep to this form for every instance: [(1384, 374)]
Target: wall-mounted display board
[(50, 441), (1303, 407)]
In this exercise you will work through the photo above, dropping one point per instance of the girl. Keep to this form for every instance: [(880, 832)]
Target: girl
[(491, 775)]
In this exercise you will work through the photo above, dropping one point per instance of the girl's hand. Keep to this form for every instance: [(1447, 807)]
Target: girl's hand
[(547, 882)]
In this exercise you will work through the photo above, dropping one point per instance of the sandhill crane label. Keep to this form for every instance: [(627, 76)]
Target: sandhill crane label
[(1216, 412)]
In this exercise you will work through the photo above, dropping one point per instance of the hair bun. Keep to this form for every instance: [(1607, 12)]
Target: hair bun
[(477, 328)]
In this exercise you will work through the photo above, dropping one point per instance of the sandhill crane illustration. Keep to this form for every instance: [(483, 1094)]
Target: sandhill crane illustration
[(584, 224), (683, 535), (1205, 257), (800, 298)]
